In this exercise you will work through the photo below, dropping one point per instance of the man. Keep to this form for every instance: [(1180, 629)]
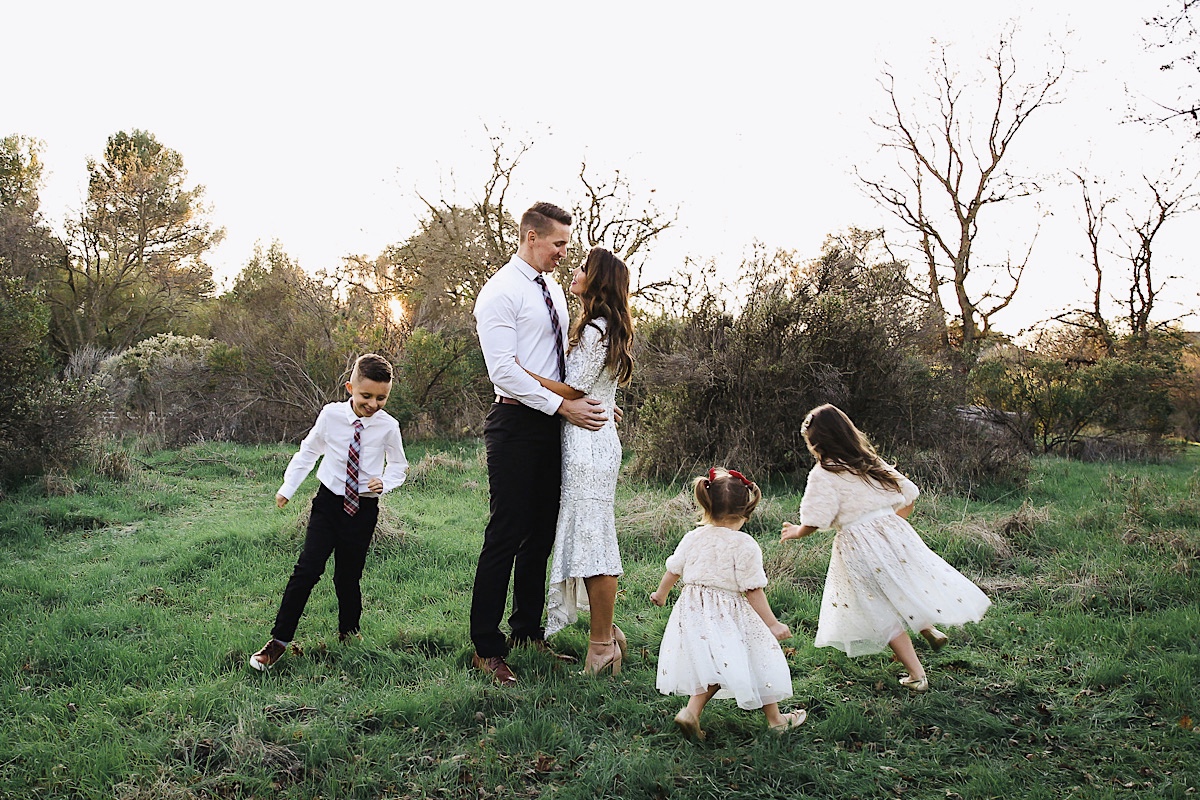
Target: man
[(521, 316)]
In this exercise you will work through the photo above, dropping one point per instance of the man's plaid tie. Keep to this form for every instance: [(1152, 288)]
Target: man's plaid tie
[(555, 328), (350, 504)]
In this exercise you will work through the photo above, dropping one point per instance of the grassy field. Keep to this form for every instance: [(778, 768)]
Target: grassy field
[(128, 609)]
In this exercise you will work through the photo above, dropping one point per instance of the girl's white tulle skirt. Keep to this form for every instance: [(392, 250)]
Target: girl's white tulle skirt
[(883, 579), (715, 637)]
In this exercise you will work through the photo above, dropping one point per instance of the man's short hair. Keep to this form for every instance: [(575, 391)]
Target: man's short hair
[(540, 216), (373, 367)]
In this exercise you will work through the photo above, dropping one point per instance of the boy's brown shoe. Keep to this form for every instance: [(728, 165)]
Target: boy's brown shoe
[(497, 667), (264, 659)]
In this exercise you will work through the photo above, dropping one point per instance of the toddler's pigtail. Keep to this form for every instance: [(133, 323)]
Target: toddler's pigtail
[(726, 495), (700, 488)]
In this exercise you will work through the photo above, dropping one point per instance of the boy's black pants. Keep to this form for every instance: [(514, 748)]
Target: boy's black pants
[(331, 531)]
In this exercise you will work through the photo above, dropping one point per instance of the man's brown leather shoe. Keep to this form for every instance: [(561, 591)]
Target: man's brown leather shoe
[(496, 667)]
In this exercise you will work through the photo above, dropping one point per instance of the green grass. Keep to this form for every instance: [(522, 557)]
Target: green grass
[(128, 609)]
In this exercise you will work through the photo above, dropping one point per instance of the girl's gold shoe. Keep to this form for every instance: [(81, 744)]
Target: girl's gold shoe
[(689, 725), (918, 685), (937, 640)]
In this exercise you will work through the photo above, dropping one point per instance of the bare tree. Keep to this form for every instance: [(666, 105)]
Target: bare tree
[(608, 217), (1176, 35), (952, 170), (1150, 207), (1167, 199), (1095, 221), (438, 271)]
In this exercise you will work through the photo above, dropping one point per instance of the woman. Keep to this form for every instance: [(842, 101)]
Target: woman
[(586, 560)]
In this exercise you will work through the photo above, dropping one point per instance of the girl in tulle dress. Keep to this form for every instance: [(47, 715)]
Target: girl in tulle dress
[(722, 639), (882, 580)]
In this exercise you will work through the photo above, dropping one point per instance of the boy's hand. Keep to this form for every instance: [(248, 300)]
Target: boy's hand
[(657, 599), (780, 631), (280, 501), (375, 485)]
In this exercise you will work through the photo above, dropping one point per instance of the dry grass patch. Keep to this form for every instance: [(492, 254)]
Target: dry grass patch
[(438, 462), (663, 522)]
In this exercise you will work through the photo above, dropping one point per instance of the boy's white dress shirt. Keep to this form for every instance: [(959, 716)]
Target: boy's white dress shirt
[(330, 439)]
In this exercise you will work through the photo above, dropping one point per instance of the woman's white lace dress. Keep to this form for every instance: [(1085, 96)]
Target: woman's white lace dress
[(714, 636), (882, 577), (585, 543)]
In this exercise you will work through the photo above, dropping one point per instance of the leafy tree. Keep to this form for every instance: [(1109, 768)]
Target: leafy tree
[(136, 254), (295, 337), (27, 247), (45, 423)]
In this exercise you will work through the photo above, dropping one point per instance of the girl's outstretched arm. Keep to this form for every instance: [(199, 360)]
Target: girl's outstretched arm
[(659, 595), (904, 512), (758, 601), (791, 531)]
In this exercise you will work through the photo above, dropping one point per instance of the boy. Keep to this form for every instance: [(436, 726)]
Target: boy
[(353, 439)]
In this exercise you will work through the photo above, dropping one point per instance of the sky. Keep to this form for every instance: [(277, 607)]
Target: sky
[(318, 125)]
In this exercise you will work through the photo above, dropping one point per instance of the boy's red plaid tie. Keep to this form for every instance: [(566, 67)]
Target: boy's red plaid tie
[(555, 327), (350, 504)]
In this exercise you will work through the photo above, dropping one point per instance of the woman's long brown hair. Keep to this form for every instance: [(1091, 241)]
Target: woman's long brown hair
[(606, 294), (841, 447)]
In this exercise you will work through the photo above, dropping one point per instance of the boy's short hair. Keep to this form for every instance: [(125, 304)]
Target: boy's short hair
[(373, 367), (540, 215)]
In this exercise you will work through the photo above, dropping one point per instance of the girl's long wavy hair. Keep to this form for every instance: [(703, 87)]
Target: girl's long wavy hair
[(840, 446), (606, 294)]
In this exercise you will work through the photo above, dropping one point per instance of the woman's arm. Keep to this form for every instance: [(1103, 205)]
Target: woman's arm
[(558, 387)]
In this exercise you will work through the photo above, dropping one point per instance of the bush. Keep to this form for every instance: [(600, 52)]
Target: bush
[(441, 387), (1185, 396), (714, 386), (45, 423), (1079, 406), (49, 428), (177, 389)]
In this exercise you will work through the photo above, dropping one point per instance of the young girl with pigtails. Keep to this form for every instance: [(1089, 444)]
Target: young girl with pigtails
[(722, 640)]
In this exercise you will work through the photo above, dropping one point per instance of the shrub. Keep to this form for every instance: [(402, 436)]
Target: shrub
[(441, 385), (1076, 407), (177, 389), (732, 387), (1185, 396), (45, 423)]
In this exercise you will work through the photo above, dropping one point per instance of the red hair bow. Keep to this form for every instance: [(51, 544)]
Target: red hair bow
[(712, 476)]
